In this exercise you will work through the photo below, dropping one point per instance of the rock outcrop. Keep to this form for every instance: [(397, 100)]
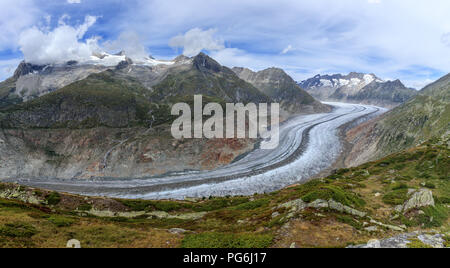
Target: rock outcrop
[(299, 205), (406, 240), (419, 199)]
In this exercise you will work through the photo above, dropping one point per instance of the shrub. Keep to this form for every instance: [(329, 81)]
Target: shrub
[(350, 221), (223, 240), (61, 221), (416, 243), (434, 216), (253, 204), (84, 207), (53, 198), (399, 186), (336, 193), (396, 197), (219, 203), (20, 230)]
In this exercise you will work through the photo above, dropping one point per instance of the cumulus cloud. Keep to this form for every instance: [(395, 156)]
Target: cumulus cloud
[(60, 45), (15, 16), (131, 44), (196, 40)]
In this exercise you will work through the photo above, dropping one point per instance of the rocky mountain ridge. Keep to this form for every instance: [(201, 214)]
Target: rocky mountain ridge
[(278, 85), (358, 88)]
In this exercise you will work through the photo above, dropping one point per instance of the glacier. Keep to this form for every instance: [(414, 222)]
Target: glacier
[(308, 145)]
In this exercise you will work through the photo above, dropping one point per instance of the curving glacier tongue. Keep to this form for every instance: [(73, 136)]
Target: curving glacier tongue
[(308, 145)]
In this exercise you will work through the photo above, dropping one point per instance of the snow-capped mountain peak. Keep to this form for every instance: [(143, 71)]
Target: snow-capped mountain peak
[(357, 87), (106, 59)]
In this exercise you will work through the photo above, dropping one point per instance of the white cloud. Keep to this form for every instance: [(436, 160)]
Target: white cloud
[(131, 44), (74, 1), (418, 84), (58, 46), (347, 35), (374, 1), (15, 16), (287, 49), (7, 68), (196, 40)]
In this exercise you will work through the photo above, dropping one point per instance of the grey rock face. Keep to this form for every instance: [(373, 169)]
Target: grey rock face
[(299, 205), (177, 231), (31, 85), (402, 241), (419, 199), (278, 85)]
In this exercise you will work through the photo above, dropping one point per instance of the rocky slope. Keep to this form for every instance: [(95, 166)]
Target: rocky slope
[(358, 88), (278, 85), (386, 203), (424, 117), (109, 152)]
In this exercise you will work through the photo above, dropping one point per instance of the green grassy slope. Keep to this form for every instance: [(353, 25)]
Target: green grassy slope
[(424, 117), (99, 100)]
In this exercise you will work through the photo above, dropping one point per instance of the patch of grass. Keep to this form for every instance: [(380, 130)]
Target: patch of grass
[(336, 193), (434, 216), (18, 229), (396, 197), (53, 198), (12, 204), (136, 205), (253, 204), (220, 203), (61, 221), (442, 200), (147, 205), (447, 241), (398, 186), (430, 185), (350, 221), (84, 207), (416, 243), (223, 240), (277, 221)]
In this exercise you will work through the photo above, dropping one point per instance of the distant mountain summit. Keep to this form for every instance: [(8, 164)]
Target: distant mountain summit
[(358, 88), (279, 86)]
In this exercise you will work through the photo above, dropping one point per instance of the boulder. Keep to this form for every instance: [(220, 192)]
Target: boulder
[(419, 199), (177, 231)]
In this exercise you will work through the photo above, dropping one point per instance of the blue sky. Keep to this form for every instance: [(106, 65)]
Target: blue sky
[(404, 39)]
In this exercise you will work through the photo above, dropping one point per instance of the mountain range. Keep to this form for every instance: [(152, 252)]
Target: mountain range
[(358, 88), (78, 119)]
